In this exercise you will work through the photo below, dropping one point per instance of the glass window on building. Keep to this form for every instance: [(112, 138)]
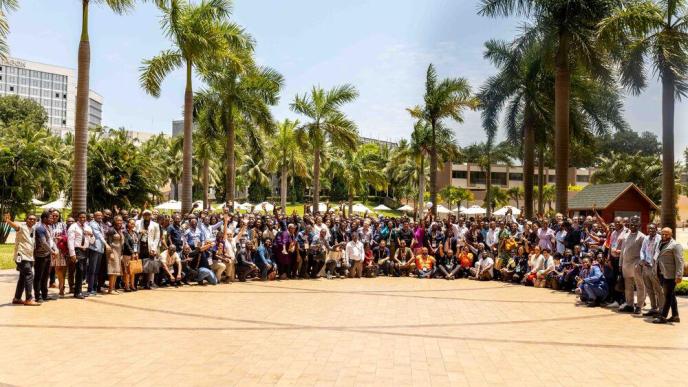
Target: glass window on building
[(551, 178), (499, 178), (478, 177), (459, 174), (516, 176), (583, 178)]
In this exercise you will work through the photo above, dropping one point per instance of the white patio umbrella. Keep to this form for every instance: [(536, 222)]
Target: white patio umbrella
[(58, 204), (405, 208), (382, 207), (37, 202), (358, 207), (171, 205), (442, 210), (474, 210), (502, 211), (246, 206), (322, 207), (264, 206)]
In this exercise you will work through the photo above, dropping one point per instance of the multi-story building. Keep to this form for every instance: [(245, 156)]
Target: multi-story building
[(473, 177), (370, 140), (54, 87)]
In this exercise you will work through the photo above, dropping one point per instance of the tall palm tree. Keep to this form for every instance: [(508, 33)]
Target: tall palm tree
[(359, 169), (326, 122), (286, 156), (524, 88), (200, 33), (6, 6), (241, 93), (447, 98), (206, 143), (79, 176), (516, 194), (655, 32), (568, 30)]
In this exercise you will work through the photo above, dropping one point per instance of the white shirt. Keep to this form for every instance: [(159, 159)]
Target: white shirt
[(354, 251), (77, 237), (492, 236)]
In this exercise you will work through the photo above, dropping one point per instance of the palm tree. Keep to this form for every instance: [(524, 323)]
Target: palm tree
[(656, 32), (206, 143), (326, 122), (496, 197), (6, 6), (516, 194), (568, 30), (200, 34), (241, 93), (457, 195), (286, 156), (524, 88), (79, 176), (359, 169), (448, 98)]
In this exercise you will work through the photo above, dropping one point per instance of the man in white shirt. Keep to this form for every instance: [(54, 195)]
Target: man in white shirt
[(79, 238), (492, 237), (483, 268), (355, 255), (24, 243), (646, 270)]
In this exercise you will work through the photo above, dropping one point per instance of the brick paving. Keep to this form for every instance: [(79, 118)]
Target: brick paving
[(391, 331)]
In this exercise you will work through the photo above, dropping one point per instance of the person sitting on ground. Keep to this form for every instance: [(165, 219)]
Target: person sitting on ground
[(425, 264), (246, 265), (198, 264), (548, 267), (448, 266), (594, 287), (521, 269), (370, 268), (382, 256), (403, 260), (465, 263), (171, 263), (536, 263), (483, 268)]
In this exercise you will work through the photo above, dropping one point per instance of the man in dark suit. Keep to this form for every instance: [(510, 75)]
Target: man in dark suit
[(670, 270)]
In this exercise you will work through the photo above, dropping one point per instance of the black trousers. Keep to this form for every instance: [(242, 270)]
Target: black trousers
[(41, 276), (25, 281), (668, 286), (81, 269)]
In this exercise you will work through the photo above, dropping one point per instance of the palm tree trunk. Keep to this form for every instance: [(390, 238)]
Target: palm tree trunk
[(421, 186), (206, 182), (488, 187), (230, 163), (175, 190), (79, 189), (668, 181), (316, 177), (528, 165), (433, 172), (283, 187), (541, 180), (562, 91), (351, 202), (187, 180)]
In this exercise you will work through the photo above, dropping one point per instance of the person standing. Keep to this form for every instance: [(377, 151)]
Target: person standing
[(630, 257), (670, 271), (96, 252), (149, 240), (615, 243), (42, 252), (24, 243), (355, 254), (115, 240), (646, 271), (79, 238)]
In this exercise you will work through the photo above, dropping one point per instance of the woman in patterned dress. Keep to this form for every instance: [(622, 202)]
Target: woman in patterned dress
[(115, 240)]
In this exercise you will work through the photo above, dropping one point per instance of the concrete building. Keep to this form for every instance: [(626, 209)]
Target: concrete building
[(471, 176), (54, 87), (369, 140)]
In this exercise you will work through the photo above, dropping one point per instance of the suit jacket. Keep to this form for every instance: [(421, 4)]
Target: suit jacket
[(153, 235), (670, 259)]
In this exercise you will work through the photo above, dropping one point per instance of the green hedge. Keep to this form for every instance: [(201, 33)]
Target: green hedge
[(682, 288)]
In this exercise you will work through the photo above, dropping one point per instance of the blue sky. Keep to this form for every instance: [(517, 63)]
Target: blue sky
[(382, 47)]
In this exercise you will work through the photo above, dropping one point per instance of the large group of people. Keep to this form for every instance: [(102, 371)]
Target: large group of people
[(106, 252)]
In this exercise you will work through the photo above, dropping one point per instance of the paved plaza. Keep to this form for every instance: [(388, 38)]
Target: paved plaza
[(391, 331)]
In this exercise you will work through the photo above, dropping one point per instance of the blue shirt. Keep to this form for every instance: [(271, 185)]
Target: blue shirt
[(99, 245)]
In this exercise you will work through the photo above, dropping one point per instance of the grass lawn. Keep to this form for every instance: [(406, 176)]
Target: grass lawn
[(6, 261)]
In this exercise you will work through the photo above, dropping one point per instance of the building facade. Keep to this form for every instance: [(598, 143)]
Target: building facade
[(53, 87)]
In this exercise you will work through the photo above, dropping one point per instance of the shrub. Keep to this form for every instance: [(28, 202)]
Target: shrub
[(682, 288)]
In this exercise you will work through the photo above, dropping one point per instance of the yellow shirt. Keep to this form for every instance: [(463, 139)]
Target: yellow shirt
[(426, 263)]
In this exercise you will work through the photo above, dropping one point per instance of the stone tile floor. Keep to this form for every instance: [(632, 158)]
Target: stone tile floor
[(391, 331)]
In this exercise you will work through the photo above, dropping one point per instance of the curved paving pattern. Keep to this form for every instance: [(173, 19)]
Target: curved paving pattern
[(340, 332)]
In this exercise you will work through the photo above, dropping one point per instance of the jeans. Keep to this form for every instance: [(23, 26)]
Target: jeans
[(448, 272), (668, 286), (206, 274), (40, 277), (332, 269), (81, 270), (426, 273), (265, 269), (594, 293), (94, 261), (25, 281)]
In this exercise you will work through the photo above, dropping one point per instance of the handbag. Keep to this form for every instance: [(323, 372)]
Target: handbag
[(135, 267)]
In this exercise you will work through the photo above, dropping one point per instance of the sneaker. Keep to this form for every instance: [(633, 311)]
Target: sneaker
[(613, 305), (674, 319), (32, 303)]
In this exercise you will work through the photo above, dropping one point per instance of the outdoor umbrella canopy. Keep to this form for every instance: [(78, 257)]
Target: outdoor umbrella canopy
[(322, 207), (502, 211), (443, 210), (58, 204), (474, 210), (246, 206), (358, 207), (382, 207), (264, 206), (171, 205), (37, 202), (405, 208)]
